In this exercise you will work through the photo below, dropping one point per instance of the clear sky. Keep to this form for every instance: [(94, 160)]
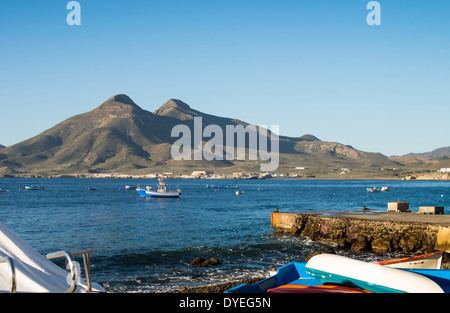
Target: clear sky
[(309, 66)]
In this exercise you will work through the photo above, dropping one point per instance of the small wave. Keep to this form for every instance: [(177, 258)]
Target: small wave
[(168, 271)]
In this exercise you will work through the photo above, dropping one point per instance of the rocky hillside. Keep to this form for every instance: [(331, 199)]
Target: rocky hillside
[(439, 153), (119, 136)]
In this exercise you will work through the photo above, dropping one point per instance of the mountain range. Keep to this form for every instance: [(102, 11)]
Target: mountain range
[(432, 160), (119, 136), (440, 153)]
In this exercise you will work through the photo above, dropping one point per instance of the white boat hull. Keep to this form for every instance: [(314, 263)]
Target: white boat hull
[(34, 188), (329, 268), (426, 261)]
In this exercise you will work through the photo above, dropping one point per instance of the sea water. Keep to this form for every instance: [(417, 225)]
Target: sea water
[(146, 244)]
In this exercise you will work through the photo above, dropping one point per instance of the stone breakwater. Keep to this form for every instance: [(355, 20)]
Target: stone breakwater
[(378, 232)]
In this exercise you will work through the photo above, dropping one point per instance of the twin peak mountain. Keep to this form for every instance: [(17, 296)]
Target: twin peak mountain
[(121, 137)]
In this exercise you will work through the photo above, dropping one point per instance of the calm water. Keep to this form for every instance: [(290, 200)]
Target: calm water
[(145, 245)]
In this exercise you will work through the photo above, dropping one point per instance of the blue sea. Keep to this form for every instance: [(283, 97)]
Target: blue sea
[(146, 244)]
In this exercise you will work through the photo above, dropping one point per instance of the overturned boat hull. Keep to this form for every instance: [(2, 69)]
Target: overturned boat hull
[(291, 273), (335, 269), (329, 273)]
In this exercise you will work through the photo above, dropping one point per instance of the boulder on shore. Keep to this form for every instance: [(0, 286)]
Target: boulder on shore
[(201, 262)]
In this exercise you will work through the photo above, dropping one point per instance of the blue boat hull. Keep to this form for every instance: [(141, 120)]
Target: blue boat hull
[(292, 273)]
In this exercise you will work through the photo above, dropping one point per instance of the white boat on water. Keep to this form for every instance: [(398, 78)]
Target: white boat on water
[(221, 186), (160, 192), (35, 187), (385, 188), (374, 189)]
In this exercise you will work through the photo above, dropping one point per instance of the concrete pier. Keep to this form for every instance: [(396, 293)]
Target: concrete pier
[(380, 232)]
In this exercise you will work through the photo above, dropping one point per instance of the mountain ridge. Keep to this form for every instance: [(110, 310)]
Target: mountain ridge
[(436, 153), (120, 136)]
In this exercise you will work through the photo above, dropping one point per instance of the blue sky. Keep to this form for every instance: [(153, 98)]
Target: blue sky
[(311, 66)]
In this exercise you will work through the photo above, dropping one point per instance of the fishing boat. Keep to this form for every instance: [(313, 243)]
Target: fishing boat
[(425, 261), (160, 192), (35, 187), (374, 189), (3, 191)]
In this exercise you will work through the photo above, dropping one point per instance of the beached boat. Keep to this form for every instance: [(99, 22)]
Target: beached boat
[(160, 192), (335, 269), (345, 275), (424, 261), (374, 189), (35, 187), (24, 270)]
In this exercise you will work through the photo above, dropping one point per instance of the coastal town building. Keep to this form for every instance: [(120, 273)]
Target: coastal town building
[(201, 173)]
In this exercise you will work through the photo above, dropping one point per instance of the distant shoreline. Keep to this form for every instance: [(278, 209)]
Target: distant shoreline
[(247, 176)]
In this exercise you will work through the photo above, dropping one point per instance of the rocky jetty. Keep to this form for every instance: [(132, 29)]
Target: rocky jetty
[(362, 235), (431, 176)]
